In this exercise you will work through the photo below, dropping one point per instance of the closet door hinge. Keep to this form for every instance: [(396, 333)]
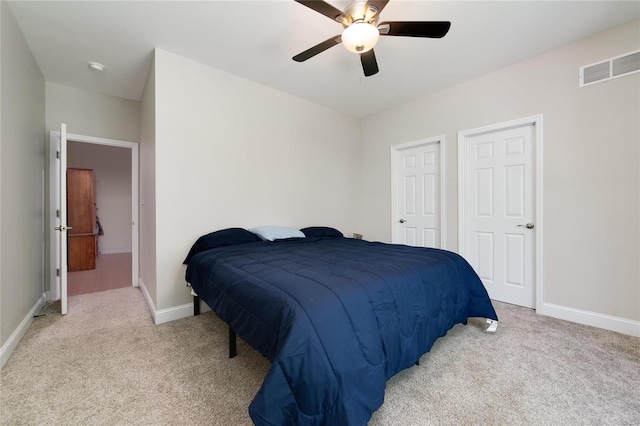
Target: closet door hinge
[(57, 213), (57, 154), (57, 272)]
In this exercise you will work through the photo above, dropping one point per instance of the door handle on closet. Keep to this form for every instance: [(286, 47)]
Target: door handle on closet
[(528, 225)]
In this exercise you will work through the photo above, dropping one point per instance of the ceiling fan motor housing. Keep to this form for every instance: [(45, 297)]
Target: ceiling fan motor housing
[(361, 11)]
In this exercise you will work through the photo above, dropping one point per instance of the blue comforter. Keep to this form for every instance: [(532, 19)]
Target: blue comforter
[(337, 317)]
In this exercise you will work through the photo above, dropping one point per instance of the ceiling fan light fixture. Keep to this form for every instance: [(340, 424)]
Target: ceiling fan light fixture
[(360, 37)]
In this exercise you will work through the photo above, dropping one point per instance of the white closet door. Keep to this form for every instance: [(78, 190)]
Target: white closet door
[(500, 212)]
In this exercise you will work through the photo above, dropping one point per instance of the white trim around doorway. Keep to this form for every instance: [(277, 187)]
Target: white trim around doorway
[(54, 292)]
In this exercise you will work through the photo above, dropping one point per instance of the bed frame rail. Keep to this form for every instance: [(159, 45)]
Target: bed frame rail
[(233, 349)]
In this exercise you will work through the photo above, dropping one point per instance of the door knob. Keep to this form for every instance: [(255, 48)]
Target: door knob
[(402, 221), (528, 225)]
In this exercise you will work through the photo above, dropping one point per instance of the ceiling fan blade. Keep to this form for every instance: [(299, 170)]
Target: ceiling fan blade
[(326, 9), (369, 63), (318, 48), (430, 29)]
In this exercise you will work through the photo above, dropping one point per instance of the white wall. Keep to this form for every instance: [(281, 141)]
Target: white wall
[(147, 207), (112, 167), (229, 152), (21, 190), (591, 166), (92, 114), (2, 340)]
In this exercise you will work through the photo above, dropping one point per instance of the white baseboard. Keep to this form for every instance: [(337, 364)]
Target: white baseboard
[(147, 298), (170, 314), (174, 313), (594, 319), (112, 251), (9, 346), (177, 312)]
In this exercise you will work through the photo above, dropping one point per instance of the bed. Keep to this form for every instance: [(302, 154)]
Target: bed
[(337, 317)]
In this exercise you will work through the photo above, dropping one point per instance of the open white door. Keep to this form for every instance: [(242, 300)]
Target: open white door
[(60, 200)]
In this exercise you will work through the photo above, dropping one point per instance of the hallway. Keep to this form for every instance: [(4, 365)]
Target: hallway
[(112, 271)]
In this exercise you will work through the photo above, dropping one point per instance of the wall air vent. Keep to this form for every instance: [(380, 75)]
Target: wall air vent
[(611, 68)]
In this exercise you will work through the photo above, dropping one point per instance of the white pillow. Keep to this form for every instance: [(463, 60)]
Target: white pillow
[(270, 233)]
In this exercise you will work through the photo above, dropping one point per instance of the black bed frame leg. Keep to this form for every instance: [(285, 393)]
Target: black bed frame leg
[(232, 343), (232, 334)]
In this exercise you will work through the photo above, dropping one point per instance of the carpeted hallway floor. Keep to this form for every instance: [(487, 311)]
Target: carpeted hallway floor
[(106, 363)]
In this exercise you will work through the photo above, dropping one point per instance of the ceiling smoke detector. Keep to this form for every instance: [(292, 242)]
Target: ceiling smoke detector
[(96, 66)]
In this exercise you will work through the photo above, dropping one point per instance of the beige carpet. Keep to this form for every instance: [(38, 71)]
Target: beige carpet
[(106, 363)]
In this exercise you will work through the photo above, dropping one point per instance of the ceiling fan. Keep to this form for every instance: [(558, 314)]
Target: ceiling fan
[(361, 30)]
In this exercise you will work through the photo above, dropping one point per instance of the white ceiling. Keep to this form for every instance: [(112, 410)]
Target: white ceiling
[(256, 40)]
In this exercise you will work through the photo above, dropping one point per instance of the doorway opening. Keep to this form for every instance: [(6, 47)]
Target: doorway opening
[(110, 169), (114, 231)]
